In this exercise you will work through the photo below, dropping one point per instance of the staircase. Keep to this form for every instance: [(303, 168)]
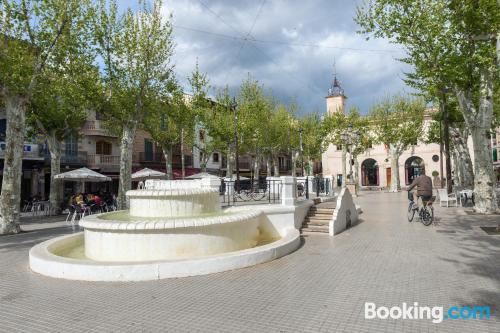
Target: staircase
[(318, 218)]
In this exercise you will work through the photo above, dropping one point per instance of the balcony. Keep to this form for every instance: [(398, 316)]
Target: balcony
[(77, 159), (104, 162), (157, 160), (95, 128)]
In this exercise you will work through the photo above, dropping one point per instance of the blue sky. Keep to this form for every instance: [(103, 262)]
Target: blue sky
[(287, 45)]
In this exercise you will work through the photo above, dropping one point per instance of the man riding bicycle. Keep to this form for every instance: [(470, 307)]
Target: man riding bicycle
[(424, 188)]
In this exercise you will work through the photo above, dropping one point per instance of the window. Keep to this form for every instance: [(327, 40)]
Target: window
[(281, 162), (202, 136), (99, 116), (103, 148), (339, 147), (148, 150), (71, 145), (215, 157)]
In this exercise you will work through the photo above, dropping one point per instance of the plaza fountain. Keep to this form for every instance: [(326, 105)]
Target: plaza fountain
[(173, 229)]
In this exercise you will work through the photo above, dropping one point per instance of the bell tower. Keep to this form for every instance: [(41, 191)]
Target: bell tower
[(335, 100)]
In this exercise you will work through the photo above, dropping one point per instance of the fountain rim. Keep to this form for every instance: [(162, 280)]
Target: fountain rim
[(160, 193), (95, 223), (44, 262)]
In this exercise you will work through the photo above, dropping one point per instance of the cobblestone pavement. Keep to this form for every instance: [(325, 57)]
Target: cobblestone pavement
[(322, 287)]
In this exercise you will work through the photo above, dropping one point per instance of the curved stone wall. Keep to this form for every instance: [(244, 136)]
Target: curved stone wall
[(173, 202), (170, 239)]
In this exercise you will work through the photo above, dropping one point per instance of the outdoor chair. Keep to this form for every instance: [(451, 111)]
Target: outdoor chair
[(445, 197), (75, 213)]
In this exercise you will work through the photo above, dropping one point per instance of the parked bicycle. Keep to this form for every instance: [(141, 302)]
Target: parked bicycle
[(425, 211)]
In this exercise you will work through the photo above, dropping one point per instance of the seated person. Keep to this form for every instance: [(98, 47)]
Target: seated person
[(97, 200)]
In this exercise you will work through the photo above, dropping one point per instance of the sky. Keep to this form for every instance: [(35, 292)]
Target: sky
[(289, 46)]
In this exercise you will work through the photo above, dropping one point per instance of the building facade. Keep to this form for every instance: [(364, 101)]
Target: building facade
[(375, 171)]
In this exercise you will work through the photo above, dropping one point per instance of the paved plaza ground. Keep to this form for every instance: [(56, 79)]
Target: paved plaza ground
[(321, 287)]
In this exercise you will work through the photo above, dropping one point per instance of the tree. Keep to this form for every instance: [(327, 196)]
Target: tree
[(313, 135), (207, 115), (136, 49), (463, 170), (337, 123), (450, 44), (58, 109), (253, 107), (167, 122), (33, 34), (397, 123)]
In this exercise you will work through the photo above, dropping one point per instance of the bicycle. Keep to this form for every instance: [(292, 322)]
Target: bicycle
[(425, 213)]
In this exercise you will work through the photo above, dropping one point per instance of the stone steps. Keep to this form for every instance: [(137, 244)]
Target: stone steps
[(318, 219)]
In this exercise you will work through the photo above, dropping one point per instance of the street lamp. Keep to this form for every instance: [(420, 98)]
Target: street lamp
[(350, 138), (234, 106), (301, 150)]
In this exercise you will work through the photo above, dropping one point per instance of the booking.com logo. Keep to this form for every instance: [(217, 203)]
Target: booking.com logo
[(435, 313)]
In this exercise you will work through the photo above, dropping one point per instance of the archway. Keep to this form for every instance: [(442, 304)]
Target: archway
[(369, 173), (414, 166)]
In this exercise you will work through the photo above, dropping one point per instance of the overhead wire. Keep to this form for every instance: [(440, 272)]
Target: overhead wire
[(250, 40), (256, 40)]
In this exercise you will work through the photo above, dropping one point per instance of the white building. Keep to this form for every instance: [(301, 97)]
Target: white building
[(374, 164)]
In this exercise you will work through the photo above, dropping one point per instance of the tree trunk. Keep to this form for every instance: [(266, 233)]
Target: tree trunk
[(256, 167), (55, 196), (167, 153), (344, 166), (294, 163), (394, 153), (457, 172), (356, 169), (479, 121), (276, 166), (269, 166), (183, 167), (446, 139), (463, 161), (10, 200), (203, 162), (126, 145)]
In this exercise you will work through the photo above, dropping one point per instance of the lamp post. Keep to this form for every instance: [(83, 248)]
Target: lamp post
[(234, 106), (301, 150)]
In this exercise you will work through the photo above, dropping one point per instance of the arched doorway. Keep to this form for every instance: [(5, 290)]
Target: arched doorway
[(369, 173), (413, 168)]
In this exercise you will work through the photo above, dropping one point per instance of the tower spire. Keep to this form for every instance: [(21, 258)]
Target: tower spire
[(335, 88)]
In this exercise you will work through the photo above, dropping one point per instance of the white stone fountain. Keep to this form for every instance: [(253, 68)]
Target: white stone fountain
[(173, 229)]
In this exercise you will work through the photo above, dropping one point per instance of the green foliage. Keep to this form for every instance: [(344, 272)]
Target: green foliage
[(397, 122), (36, 36), (449, 43), (312, 136), (336, 123), (136, 49), (168, 119)]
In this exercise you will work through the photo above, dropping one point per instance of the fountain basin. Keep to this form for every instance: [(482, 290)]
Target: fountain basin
[(173, 238), (176, 202), (50, 259)]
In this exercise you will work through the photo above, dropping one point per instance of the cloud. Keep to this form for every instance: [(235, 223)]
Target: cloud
[(291, 49)]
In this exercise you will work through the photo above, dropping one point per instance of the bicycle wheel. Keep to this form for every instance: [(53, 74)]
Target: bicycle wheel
[(427, 215), (411, 212)]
